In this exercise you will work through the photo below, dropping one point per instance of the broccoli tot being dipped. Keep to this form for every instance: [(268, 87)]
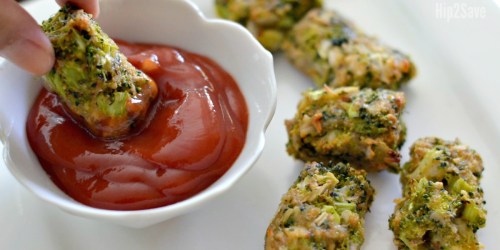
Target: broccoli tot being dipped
[(442, 205), (97, 84), (324, 209), (362, 127), (333, 52)]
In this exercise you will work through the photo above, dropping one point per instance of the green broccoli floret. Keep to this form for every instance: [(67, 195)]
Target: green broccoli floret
[(92, 78), (324, 209)]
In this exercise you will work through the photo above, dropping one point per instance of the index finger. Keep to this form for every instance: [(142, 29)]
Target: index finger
[(90, 6)]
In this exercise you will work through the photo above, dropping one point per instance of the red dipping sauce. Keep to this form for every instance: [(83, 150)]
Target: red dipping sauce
[(196, 131)]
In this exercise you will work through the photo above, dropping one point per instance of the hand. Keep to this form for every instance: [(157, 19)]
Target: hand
[(23, 42)]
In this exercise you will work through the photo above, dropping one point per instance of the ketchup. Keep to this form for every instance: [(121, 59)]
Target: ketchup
[(195, 131)]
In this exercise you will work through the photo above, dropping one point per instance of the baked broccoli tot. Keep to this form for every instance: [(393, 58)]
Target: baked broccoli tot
[(234, 10), (362, 127), (268, 20), (99, 87), (324, 209), (444, 161), (443, 204), (333, 52)]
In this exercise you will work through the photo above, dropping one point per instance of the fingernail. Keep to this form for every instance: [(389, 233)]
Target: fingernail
[(32, 56)]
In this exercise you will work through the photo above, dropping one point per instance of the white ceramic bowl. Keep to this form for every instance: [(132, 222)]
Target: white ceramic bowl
[(176, 23)]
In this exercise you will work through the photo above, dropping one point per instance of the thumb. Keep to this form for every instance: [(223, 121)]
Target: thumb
[(22, 41)]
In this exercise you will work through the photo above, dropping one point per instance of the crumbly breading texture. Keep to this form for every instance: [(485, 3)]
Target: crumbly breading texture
[(333, 52), (324, 209), (362, 127)]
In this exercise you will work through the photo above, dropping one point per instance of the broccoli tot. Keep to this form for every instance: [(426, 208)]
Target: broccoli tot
[(454, 164), (362, 127), (333, 52), (93, 79), (443, 203), (445, 161), (268, 20), (324, 209), (429, 217), (234, 10)]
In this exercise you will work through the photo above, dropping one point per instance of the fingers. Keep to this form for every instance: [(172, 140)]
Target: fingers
[(22, 41), (90, 6)]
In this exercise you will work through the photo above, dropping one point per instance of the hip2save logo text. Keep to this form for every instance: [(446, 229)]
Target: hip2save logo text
[(459, 10)]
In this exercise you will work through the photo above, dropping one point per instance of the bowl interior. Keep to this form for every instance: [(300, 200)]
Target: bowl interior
[(174, 23)]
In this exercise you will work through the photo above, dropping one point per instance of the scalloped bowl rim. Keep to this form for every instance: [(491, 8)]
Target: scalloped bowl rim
[(260, 112)]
